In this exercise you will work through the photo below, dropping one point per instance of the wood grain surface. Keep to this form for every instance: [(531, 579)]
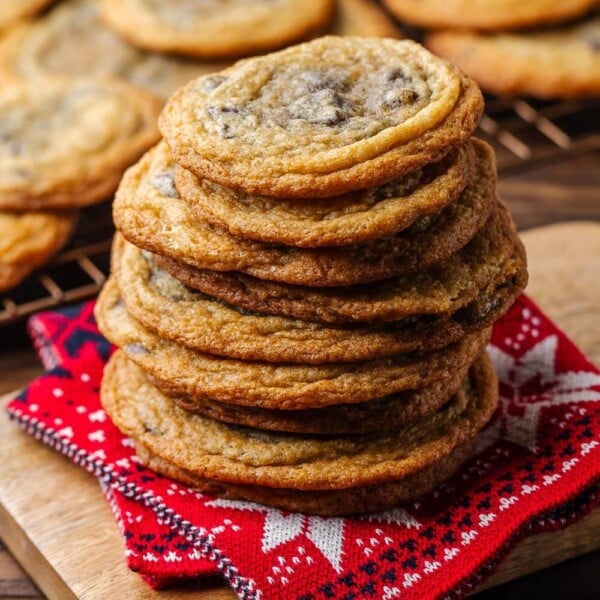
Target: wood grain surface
[(556, 192), (564, 274), (13, 581)]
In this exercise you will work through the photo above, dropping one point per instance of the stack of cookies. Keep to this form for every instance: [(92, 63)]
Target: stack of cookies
[(63, 145), (541, 48), (304, 279)]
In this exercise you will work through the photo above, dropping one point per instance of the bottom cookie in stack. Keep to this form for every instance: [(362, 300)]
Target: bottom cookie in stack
[(332, 475)]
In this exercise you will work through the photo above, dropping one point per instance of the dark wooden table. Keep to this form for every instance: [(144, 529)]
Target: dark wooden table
[(547, 194)]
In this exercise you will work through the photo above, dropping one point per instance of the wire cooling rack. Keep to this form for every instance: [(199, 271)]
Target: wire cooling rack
[(75, 274), (523, 132)]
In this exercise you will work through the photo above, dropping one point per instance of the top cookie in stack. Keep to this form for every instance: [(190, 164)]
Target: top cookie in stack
[(321, 119), (315, 249)]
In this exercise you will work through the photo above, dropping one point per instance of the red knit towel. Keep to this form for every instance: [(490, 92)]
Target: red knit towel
[(537, 469)]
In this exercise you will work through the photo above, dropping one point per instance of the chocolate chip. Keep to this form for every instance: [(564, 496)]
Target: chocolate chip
[(323, 107), (210, 83), (393, 74), (478, 310), (224, 130), (217, 111), (222, 116), (317, 80), (165, 184), (398, 97)]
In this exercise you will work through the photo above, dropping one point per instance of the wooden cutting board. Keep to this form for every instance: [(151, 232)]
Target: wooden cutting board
[(54, 519)]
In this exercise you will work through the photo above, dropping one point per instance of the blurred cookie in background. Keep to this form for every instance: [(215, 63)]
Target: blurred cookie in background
[(362, 18), (27, 240), (539, 48), (11, 11), (488, 15), (72, 41), (561, 62), (212, 29), (66, 144)]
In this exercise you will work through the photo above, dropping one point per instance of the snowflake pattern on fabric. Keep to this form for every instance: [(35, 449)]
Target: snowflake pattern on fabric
[(537, 469)]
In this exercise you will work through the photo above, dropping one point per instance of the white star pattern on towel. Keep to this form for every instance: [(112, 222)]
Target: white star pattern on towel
[(563, 388), (279, 527)]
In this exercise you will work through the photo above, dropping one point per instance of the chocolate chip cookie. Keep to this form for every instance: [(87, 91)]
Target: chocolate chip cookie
[(175, 312), (149, 212), (27, 240), (305, 276), (67, 144), (322, 118), (215, 29), (353, 218), (561, 62), (72, 41), (298, 469), (486, 14), (283, 386), (386, 414), (493, 260), (327, 503)]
